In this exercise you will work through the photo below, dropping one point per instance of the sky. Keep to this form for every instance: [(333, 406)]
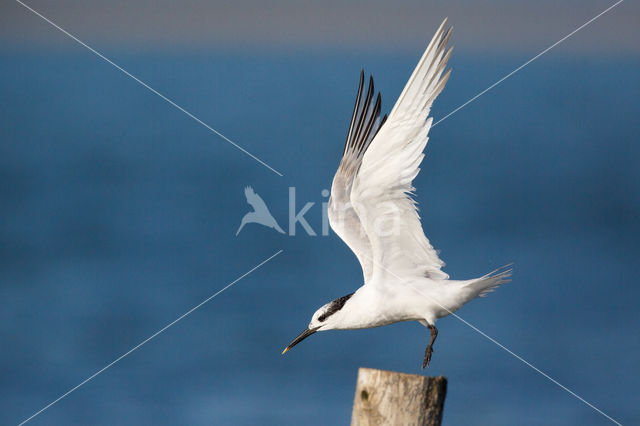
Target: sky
[(480, 26)]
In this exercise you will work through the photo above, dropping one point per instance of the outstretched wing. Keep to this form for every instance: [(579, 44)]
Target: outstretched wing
[(254, 200), (365, 124), (382, 188)]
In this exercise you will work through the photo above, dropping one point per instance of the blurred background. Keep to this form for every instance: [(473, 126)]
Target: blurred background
[(118, 212)]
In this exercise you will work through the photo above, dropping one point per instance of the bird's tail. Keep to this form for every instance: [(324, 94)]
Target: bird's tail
[(277, 227), (484, 285)]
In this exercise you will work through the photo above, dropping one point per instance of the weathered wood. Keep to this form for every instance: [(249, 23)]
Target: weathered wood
[(389, 398)]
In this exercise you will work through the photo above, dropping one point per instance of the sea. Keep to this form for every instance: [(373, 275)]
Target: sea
[(119, 207)]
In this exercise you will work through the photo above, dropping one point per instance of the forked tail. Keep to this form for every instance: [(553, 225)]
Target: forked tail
[(482, 286)]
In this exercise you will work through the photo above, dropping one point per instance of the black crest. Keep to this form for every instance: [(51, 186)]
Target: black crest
[(334, 307)]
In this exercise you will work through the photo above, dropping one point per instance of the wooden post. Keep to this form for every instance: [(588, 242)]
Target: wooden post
[(389, 398)]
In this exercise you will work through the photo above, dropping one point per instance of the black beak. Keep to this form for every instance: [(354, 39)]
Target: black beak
[(308, 332)]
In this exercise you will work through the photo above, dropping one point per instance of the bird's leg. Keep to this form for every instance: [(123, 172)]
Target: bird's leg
[(427, 353)]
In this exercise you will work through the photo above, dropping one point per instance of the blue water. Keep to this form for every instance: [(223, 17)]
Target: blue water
[(118, 213)]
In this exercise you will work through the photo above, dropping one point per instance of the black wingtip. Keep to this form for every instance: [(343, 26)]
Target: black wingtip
[(382, 121), (364, 120)]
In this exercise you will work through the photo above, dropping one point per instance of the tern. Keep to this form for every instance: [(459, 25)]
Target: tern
[(371, 208)]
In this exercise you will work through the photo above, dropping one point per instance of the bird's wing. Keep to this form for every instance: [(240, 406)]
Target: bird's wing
[(254, 200), (365, 124), (382, 189)]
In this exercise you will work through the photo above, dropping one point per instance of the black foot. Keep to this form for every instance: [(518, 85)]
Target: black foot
[(427, 357), (427, 353)]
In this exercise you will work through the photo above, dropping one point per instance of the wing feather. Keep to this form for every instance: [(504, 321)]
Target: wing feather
[(381, 191), (365, 124)]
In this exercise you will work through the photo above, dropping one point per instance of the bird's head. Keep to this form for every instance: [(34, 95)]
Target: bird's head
[(325, 318)]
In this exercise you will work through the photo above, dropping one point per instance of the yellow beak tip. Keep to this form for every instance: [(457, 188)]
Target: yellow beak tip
[(285, 351)]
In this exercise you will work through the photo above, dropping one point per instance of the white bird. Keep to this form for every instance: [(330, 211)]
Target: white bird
[(371, 208)]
